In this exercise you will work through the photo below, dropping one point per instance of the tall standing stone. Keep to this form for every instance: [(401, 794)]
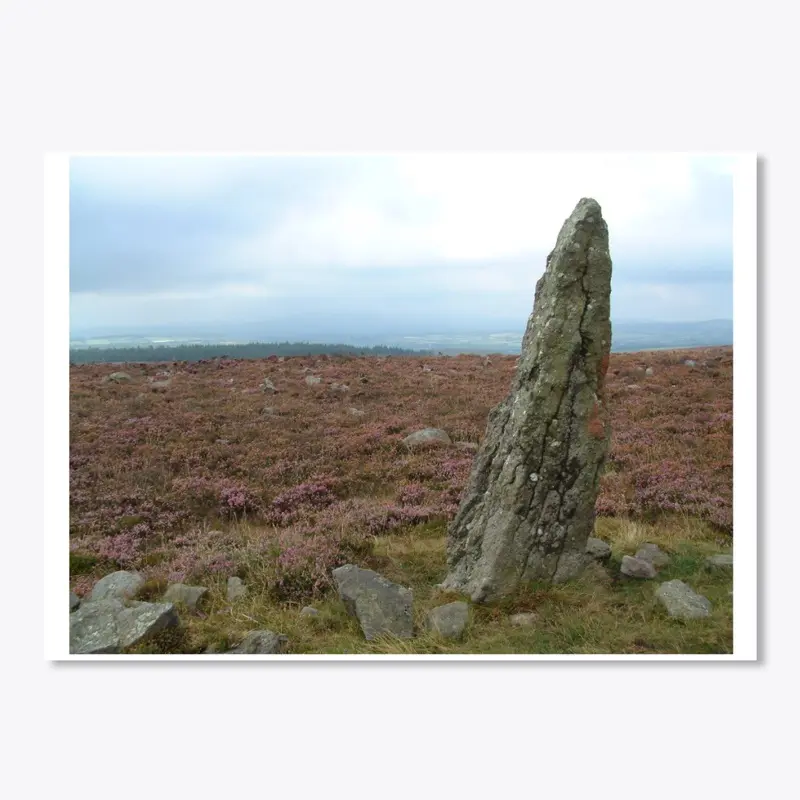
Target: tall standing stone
[(528, 508)]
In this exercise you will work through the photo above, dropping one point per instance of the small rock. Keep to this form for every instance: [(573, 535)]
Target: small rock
[(526, 619), (649, 371), (309, 611), (637, 568), (426, 369), (721, 561), (689, 362), (654, 554), (74, 601), (597, 548), (119, 377), (379, 605), (682, 601), (122, 585), (355, 412), (426, 436), (268, 386), (339, 387), (161, 386), (268, 411), (236, 589), (449, 620), (260, 642), (313, 380), (189, 596)]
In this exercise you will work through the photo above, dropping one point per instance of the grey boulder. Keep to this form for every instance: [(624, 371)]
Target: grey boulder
[(261, 642), (654, 554), (637, 568), (720, 562), (681, 601), (380, 606), (189, 596), (142, 620), (427, 436), (121, 585), (597, 549), (450, 620)]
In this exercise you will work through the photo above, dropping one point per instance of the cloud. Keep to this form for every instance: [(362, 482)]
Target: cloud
[(465, 232)]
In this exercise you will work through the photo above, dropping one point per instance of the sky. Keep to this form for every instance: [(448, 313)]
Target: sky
[(385, 244)]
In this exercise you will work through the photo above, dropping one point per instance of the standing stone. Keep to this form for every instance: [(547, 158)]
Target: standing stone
[(528, 508)]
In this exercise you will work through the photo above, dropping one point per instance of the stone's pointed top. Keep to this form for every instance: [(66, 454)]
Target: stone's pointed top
[(586, 207)]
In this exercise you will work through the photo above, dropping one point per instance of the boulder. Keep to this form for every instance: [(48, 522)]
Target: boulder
[(597, 549), (719, 562), (649, 372), (654, 554), (261, 642), (450, 620), (637, 568), (122, 585), (380, 606), (681, 601), (528, 508), (236, 590), (427, 436), (189, 596), (142, 620)]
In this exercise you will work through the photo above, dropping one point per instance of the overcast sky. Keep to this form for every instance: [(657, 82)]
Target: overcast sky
[(397, 243)]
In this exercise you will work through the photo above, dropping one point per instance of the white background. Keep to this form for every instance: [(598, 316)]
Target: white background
[(428, 76)]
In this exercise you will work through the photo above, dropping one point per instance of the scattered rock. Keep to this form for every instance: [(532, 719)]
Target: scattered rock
[(649, 371), (189, 596), (108, 626), (426, 436), (313, 380), (261, 642), (637, 568), (268, 386), (379, 605), (93, 627), (309, 611), (597, 549), (654, 554), (355, 412), (682, 601), (161, 386), (689, 362), (511, 530), (340, 387), (450, 620), (119, 377), (121, 585), (236, 590), (74, 601), (268, 411), (426, 368), (722, 561), (526, 619), (487, 362)]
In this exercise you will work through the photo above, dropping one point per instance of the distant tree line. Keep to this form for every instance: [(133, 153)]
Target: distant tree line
[(199, 352)]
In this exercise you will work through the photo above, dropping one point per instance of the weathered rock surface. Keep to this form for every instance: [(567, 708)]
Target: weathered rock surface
[(189, 596), (74, 601), (236, 590), (597, 549), (261, 642), (720, 561), (654, 554), (525, 619), (637, 567), (313, 380), (649, 372), (427, 436), (268, 387), (450, 620), (122, 585), (379, 605), (682, 601), (528, 508), (108, 626)]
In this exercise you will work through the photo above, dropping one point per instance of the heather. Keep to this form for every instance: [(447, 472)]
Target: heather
[(192, 471)]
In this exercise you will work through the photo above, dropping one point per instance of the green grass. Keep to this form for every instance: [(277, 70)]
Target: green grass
[(601, 612)]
